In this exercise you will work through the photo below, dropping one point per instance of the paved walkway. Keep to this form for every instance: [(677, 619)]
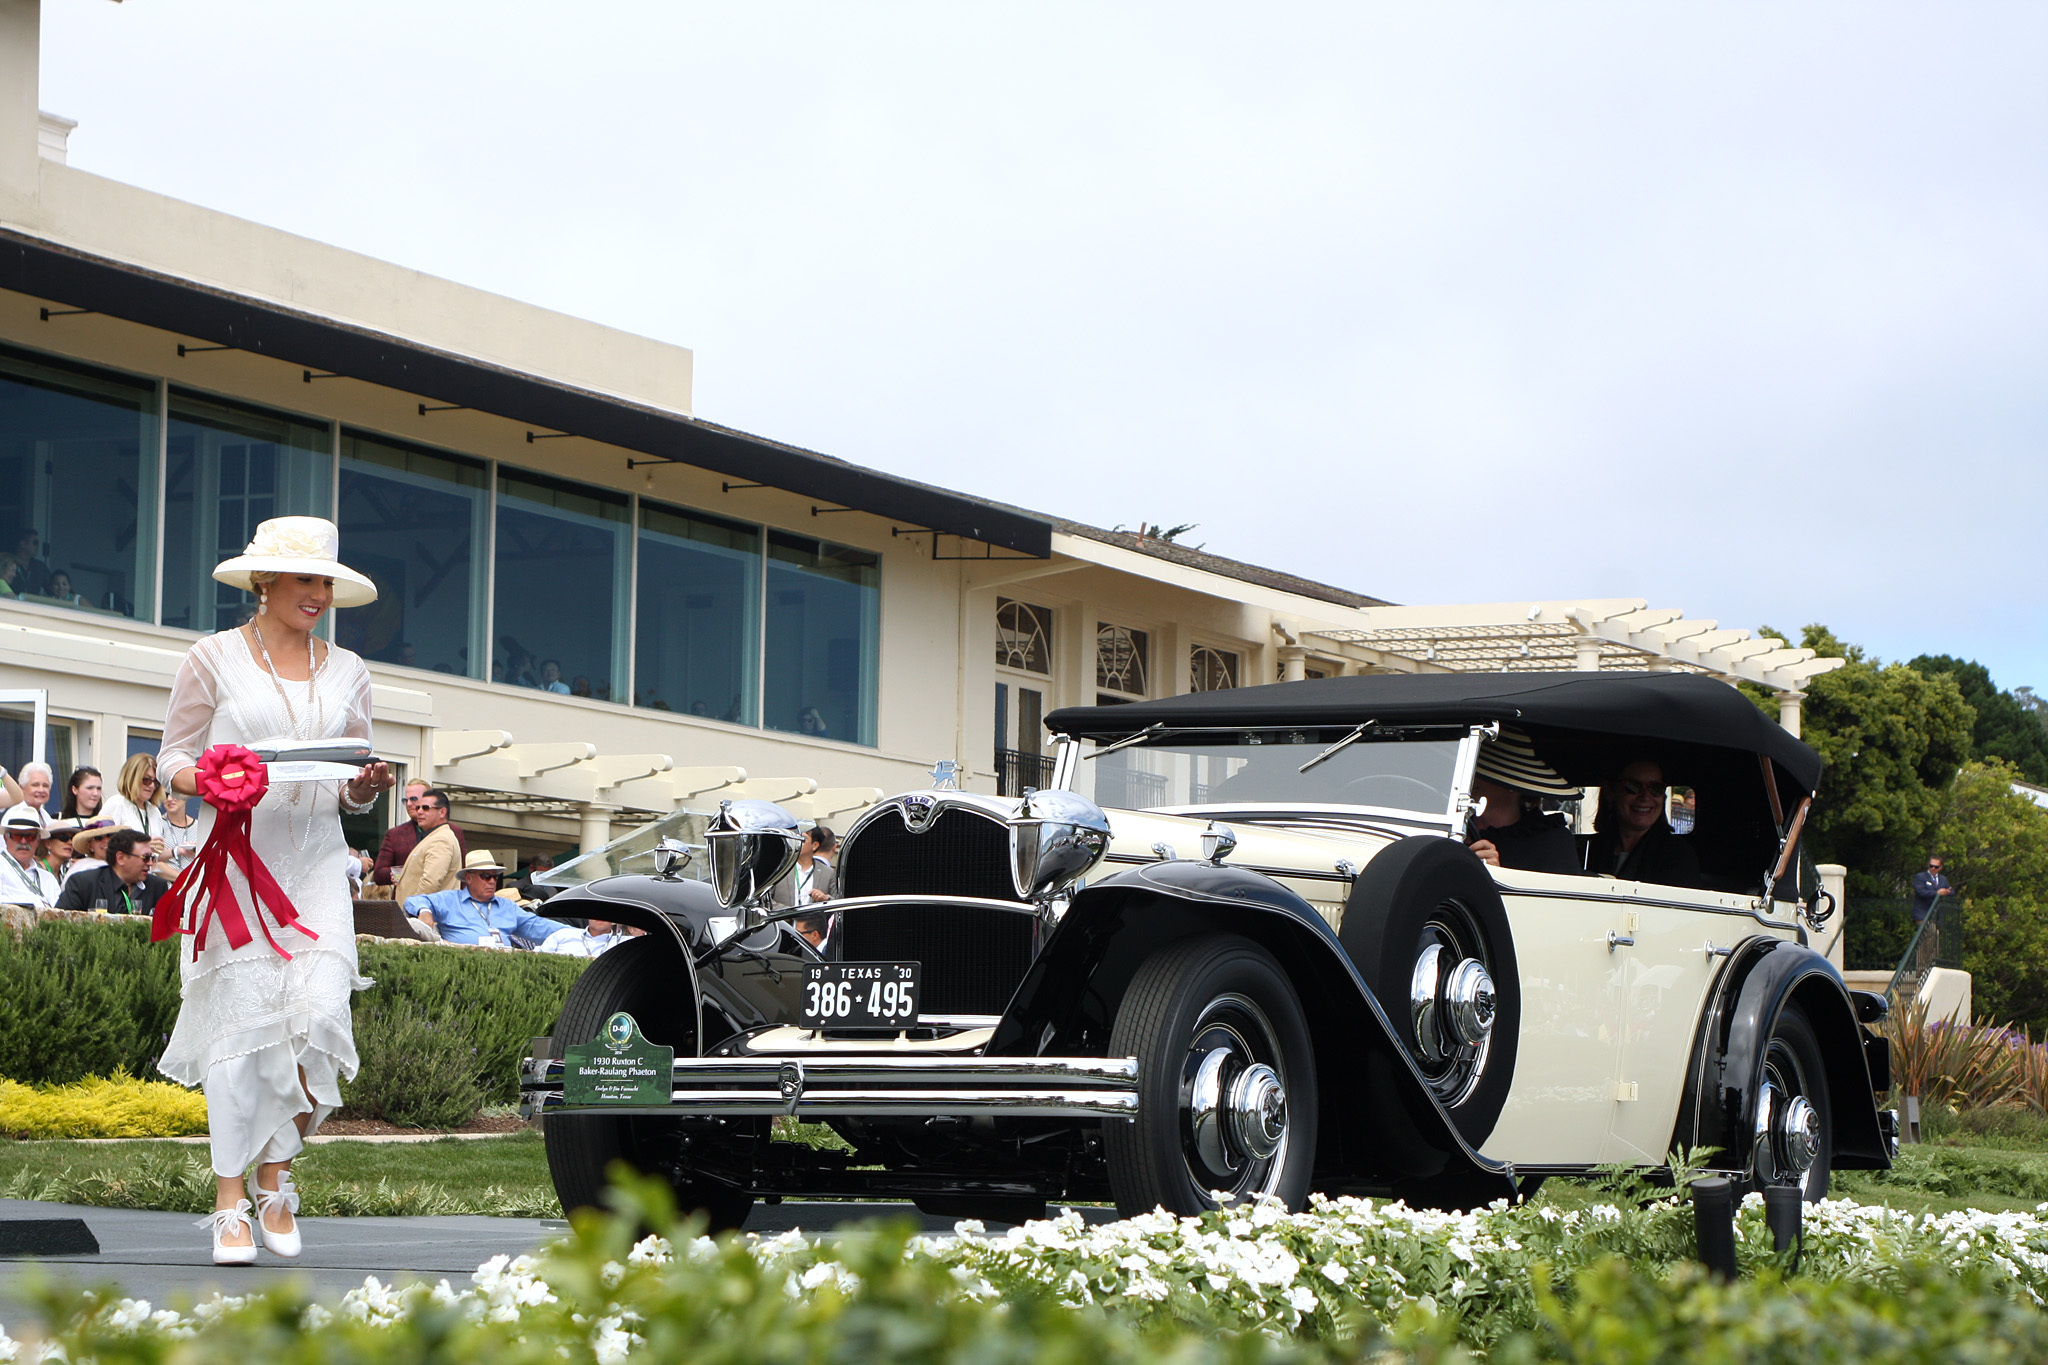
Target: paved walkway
[(164, 1258)]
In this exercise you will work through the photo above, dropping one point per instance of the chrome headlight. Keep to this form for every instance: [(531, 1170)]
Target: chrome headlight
[(753, 844), (671, 856), (1055, 838)]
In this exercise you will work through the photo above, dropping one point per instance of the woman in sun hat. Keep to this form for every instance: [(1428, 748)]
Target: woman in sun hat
[(1513, 831), (270, 1037)]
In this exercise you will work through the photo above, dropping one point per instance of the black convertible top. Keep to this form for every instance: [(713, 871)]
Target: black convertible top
[(1685, 708)]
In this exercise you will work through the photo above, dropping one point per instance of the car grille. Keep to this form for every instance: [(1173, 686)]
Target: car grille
[(972, 958)]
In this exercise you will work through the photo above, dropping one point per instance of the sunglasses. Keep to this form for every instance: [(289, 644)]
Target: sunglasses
[(489, 876), (1631, 787)]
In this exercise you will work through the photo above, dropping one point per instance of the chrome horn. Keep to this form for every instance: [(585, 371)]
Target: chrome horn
[(1055, 838), (753, 844)]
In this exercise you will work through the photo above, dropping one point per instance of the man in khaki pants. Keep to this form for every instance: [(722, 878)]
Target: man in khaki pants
[(435, 859)]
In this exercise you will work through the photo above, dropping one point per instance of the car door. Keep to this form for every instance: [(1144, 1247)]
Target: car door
[(1680, 941)]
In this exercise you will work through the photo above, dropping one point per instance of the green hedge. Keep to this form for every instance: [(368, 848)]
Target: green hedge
[(85, 999)]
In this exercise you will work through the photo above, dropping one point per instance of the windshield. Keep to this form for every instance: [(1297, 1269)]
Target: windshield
[(1263, 767), (634, 852)]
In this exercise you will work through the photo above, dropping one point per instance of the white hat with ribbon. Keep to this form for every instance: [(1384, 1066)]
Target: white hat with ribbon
[(298, 545)]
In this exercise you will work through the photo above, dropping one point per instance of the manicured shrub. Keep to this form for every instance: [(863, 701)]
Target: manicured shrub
[(92, 999), (417, 1070), (117, 1106), (79, 999)]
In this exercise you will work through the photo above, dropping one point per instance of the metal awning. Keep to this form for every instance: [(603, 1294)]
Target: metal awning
[(184, 308), (1622, 633)]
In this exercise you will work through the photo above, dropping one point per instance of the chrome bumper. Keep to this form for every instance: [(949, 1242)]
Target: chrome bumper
[(820, 1087)]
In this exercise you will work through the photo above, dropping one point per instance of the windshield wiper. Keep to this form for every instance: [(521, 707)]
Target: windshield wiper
[(1152, 731), (1338, 747)]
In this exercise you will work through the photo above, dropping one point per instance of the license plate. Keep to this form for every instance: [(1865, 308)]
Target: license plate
[(860, 994)]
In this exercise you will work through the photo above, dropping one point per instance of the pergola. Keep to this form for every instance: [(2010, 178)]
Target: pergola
[(1583, 636)]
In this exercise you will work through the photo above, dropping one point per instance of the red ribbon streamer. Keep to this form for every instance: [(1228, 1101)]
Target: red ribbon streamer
[(232, 780)]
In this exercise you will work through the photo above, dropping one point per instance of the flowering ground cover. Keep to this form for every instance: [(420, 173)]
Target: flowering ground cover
[(1348, 1279)]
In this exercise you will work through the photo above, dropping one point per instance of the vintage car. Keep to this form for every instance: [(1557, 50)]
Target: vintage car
[(1238, 947)]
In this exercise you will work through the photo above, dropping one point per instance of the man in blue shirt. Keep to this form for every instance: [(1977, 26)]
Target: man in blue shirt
[(474, 913)]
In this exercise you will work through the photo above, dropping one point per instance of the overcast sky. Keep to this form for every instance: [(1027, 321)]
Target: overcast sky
[(1737, 308)]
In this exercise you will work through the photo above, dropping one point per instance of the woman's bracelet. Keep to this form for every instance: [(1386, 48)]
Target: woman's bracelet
[(356, 807)]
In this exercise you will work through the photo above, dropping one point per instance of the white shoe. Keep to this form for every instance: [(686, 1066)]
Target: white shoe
[(224, 1221), (285, 1244)]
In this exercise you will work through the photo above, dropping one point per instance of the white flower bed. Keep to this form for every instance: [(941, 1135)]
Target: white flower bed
[(1257, 1267)]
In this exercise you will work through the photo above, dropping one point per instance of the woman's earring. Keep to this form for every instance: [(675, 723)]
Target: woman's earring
[(262, 602)]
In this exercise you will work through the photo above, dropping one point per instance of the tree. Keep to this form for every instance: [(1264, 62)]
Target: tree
[(2005, 727), (1892, 739), (1995, 846)]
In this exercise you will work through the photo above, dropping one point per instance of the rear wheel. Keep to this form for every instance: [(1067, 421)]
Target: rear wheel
[(1794, 1133), (638, 977), (1226, 1081)]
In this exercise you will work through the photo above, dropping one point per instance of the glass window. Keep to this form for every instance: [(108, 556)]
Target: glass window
[(78, 461), (1120, 658), (230, 467), (699, 643), (824, 627), (1211, 669), (417, 523), (1023, 636), (563, 557)]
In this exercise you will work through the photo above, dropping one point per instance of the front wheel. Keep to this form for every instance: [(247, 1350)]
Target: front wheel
[(1226, 1081), (639, 978), (1794, 1134)]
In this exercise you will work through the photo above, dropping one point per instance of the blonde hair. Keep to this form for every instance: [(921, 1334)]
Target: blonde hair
[(129, 784)]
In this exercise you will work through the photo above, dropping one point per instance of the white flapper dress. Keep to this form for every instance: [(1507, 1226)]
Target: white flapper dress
[(250, 1020)]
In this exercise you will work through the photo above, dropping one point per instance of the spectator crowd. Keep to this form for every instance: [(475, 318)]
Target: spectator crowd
[(120, 851)]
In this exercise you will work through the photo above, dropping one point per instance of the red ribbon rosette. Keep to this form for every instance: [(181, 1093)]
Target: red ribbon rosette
[(233, 781)]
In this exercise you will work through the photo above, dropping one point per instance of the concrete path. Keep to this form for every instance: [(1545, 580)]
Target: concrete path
[(164, 1258)]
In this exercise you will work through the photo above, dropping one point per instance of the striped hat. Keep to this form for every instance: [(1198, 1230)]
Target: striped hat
[(1511, 761)]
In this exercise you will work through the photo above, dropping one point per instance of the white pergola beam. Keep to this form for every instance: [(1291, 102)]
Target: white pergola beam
[(452, 746)]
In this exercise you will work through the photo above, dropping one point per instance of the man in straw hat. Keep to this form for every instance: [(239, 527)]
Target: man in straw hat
[(475, 913), (24, 881), (1513, 831)]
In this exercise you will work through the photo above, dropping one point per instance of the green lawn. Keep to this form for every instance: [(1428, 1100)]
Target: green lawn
[(1996, 1161)]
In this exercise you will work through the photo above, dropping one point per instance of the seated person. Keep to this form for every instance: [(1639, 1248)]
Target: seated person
[(589, 941), (1513, 831), (125, 886), (1633, 840), (474, 912)]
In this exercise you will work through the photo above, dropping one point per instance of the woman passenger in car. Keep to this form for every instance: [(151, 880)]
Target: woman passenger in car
[(1513, 831), (1633, 840)]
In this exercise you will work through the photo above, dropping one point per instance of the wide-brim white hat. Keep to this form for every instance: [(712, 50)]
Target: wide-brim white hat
[(296, 545)]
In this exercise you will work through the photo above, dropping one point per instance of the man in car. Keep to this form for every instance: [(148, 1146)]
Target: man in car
[(1513, 831)]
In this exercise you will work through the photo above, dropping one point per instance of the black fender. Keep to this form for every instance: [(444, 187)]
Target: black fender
[(1068, 1000), (672, 912), (1763, 975)]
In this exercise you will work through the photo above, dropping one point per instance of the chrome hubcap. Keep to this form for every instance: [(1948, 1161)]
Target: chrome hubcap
[(1234, 1103), (1451, 1006)]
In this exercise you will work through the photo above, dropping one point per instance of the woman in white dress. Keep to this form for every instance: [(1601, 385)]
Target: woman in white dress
[(271, 1039)]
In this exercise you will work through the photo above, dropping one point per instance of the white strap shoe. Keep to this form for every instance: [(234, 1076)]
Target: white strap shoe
[(226, 1223), (285, 1196)]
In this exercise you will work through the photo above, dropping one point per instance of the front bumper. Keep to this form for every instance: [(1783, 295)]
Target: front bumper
[(847, 1086)]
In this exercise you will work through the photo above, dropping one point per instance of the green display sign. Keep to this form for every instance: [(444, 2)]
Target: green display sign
[(618, 1067)]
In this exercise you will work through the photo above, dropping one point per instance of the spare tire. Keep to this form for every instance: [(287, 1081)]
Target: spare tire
[(1426, 928)]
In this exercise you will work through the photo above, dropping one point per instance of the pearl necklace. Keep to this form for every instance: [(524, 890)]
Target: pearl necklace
[(316, 709)]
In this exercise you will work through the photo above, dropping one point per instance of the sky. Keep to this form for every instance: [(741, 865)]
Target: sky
[(1741, 308)]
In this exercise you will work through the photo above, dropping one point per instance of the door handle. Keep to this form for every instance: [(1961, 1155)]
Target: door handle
[(1619, 940)]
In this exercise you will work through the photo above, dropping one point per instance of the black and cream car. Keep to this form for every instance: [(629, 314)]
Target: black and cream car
[(1238, 946)]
